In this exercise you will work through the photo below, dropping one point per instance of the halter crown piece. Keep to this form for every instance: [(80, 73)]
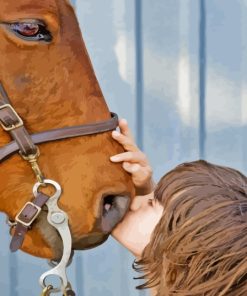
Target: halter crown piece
[(25, 144)]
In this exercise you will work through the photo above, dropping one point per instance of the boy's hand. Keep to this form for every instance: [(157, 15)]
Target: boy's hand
[(134, 160)]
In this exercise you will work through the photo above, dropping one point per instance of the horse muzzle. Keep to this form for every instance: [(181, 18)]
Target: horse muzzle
[(111, 211)]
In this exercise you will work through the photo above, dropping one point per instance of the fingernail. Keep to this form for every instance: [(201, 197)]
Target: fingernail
[(115, 133), (114, 158), (124, 121)]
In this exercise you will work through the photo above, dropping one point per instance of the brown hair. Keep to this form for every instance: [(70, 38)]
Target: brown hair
[(199, 246)]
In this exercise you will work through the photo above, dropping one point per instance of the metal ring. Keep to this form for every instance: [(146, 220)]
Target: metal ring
[(11, 223), (47, 290), (54, 263), (50, 182), (53, 289)]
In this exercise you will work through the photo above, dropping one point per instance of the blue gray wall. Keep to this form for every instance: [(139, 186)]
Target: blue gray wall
[(177, 70)]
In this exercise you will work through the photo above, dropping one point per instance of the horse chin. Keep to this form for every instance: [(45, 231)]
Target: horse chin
[(90, 241)]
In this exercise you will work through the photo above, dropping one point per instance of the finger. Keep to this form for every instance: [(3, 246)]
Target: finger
[(124, 128), (125, 141), (139, 174), (131, 167), (133, 157)]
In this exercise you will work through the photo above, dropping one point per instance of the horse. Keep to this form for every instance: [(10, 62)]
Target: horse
[(48, 76)]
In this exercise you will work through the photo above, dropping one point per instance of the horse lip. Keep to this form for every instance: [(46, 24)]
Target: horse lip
[(89, 241), (115, 214)]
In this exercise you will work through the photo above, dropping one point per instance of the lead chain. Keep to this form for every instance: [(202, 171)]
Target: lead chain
[(69, 291), (47, 291)]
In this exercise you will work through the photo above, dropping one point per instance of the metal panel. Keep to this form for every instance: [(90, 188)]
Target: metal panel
[(171, 109), (226, 82), (139, 73), (202, 79), (244, 84)]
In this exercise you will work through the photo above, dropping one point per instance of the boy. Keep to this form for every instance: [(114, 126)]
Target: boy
[(189, 236)]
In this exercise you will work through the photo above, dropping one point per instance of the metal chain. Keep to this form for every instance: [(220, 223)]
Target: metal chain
[(68, 292), (47, 291)]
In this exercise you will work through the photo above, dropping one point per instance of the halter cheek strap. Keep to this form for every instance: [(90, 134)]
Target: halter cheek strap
[(13, 124)]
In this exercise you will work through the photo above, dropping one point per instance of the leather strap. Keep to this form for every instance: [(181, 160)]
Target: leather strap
[(25, 219), (25, 143), (63, 133), (13, 124)]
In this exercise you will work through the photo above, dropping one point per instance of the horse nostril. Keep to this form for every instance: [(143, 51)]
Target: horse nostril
[(108, 202), (113, 210)]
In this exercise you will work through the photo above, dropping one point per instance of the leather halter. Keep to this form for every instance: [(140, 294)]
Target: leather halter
[(25, 143)]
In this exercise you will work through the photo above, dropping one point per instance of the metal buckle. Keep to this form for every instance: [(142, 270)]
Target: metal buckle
[(27, 224), (13, 126)]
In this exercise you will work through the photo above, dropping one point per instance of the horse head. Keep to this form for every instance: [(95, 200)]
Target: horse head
[(47, 74)]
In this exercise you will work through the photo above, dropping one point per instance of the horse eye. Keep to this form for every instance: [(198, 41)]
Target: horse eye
[(31, 31)]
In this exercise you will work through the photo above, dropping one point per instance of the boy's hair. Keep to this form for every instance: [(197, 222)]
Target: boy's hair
[(199, 247)]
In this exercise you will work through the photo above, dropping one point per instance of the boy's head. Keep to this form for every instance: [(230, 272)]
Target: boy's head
[(199, 246)]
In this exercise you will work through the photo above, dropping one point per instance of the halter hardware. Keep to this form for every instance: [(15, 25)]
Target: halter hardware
[(12, 126), (33, 160), (28, 214), (47, 291)]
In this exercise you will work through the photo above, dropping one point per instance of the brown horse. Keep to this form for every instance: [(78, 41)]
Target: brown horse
[(46, 71)]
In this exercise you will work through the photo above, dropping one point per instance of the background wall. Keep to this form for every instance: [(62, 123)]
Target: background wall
[(177, 70)]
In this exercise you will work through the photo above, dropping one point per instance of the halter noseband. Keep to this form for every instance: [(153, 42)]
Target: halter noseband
[(25, 143)]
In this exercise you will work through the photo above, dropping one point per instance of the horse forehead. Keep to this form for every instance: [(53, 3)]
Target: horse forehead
[(13, 9), (29, 5), (69, 2)]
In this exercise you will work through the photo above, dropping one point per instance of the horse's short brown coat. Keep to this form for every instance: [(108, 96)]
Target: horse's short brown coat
[(53, 86)]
